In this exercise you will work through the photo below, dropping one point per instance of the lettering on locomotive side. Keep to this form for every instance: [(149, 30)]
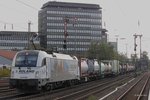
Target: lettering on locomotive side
[(26, 71)]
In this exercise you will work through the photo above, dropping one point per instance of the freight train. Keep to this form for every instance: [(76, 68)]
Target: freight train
[(35, 70)]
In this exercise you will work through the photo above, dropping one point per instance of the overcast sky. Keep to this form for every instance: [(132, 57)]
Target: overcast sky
[(120, 16)]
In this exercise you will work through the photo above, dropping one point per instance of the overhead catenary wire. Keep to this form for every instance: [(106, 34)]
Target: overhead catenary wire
[(27, 5), (18, 11), (13, 25)]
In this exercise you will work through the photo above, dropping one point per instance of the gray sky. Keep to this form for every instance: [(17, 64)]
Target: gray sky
[(120, 16)]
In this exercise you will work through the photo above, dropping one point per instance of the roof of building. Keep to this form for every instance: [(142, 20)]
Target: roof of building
[(104, 30), (71, 5), (7, 54), (5, 61), (8, 33)]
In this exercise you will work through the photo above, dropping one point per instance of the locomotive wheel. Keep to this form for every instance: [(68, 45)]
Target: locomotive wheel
[(48, 87)]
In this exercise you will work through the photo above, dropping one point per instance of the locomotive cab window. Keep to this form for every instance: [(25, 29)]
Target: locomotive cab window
[(44, 62), (26, 59)]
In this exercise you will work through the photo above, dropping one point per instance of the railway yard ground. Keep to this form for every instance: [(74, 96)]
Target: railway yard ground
[(123, 87)]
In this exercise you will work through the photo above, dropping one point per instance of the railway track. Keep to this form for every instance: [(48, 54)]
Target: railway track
[(5, 89), (4, 80), (12, 96), (6, 92), (4, 83), (76, 92), (55, 92), (15, 96), (136, 91), (86, 93), (63, 93)]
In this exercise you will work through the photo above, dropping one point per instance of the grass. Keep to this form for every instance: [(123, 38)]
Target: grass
[(92, 98), (4, 72)]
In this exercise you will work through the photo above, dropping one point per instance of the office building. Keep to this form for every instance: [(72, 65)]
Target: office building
[(15, 40), (73, 24)]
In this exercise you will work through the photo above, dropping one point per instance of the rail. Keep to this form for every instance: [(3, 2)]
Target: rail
[(132, 87)]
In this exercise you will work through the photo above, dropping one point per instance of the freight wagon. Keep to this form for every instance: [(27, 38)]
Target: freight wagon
[(112, 67)]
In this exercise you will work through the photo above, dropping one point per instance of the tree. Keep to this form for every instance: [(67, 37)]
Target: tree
[(122, 58), (105, 52), (91, 53), (102, 51), (145, 55), (144, 61)]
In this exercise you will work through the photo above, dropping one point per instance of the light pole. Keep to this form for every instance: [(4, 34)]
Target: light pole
[(28, 36), (135, 45), (126, 50), (117, 41), (126, 59), (125, 45)]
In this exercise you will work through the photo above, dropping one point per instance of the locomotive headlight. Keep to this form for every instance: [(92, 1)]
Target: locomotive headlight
[(36, 74)]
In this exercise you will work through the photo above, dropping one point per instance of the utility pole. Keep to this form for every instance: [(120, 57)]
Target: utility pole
[(135, 45), (74, 22), (135, 36), (28, 35), (140, 50), (66, 21), (140, 45)]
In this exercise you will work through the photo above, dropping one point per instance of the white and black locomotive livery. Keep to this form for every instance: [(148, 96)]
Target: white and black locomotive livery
[(37, 70)]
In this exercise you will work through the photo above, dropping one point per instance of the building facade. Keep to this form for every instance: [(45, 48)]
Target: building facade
[(73, 24), (104, 36), (15, 40)]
